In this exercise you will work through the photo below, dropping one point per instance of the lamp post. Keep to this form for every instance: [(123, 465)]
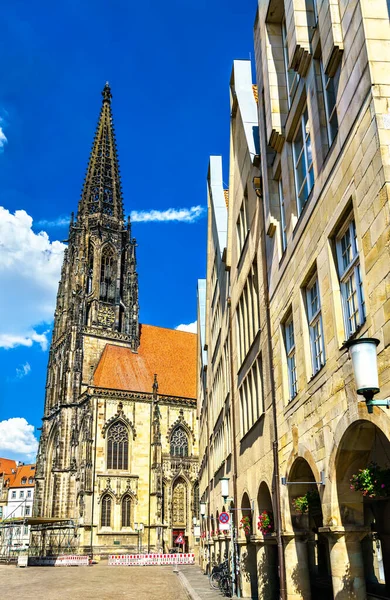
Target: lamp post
[(139, 527), (202, 507), (365, 369), (224, 481)]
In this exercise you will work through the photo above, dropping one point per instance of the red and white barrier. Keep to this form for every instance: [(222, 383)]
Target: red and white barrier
[(65, 560), (126, 560)]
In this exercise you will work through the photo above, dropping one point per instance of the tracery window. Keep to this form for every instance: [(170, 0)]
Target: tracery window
[(196, 500), (126, 511), (179, 503), (118, 447), (90, 270), (107, 276), (105, 520), (179, 442)]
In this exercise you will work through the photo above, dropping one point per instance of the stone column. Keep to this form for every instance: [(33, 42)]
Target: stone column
[(267, 569), (297, 567), (346, 560)]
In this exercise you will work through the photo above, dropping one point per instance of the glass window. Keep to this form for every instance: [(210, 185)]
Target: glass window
[(24, 480), (106, 511), (315, 325), (107, 276), (291, 363), (25, 530), (303, 161), (283, 227), (13, 495), (29, 494), (292, 78), (126, 511), (179, 442), (27, 511), (350, 279), (30, 479), (329, 85), (21, 494), (118, 447)]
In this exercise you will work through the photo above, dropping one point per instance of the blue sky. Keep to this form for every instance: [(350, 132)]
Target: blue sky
[(169, 67)]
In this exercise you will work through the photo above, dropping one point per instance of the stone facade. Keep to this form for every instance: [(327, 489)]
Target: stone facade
[(323, 120), (116, 451)]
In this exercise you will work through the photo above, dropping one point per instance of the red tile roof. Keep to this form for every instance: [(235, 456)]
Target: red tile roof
[(23, 472), (168, 352), (6, 466)]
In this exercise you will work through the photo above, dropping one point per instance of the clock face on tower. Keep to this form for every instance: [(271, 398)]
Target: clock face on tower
[(106, 316)]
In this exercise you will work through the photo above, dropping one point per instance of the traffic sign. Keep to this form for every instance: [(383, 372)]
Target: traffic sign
[(179, 539), (224, 518)]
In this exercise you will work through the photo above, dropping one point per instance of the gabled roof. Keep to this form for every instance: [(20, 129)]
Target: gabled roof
[(169, 353), (7, 465), (24, 471)]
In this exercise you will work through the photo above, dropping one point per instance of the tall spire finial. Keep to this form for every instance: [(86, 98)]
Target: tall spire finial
[(106, 93)]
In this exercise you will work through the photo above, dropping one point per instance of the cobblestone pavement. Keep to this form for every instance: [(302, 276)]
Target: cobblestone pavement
[(98, 582), (197, 584)]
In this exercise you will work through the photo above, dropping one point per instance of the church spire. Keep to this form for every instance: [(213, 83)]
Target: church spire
[(102, 193)]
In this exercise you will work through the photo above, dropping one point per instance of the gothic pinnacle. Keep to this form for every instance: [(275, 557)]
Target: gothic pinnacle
[(106, 93)]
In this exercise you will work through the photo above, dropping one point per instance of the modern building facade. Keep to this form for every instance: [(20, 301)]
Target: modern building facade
[(323, 192), (118, 455)]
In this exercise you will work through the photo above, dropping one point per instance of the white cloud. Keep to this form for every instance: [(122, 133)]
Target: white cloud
[(23, 370), (185, 215), (17, 439), (30, 267), (3, 139), (191, 327), (59, 222)]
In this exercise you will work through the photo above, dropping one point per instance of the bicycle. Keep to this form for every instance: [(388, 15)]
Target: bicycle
[(217, 573)]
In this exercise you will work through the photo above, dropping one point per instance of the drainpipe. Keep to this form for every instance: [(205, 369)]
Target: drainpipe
[(275, 443), (234, 447)]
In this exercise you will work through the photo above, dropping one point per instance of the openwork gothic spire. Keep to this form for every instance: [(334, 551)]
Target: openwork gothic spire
[(102, 193)]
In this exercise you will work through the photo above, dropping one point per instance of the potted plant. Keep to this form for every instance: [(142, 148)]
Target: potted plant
[(372, 482), (265, 522), (308, 504), (245, 525)]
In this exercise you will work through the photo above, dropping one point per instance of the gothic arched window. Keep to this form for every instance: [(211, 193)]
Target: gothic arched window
[(196, 500), (105, 519), (179, 504), (107, 276), (179, 442), (126, 511), (118, 447), (90, 270)]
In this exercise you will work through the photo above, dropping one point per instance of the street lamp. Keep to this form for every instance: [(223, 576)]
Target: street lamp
[(364, 363), (202, 506), (139, 527), (257, 185), (224, 488)]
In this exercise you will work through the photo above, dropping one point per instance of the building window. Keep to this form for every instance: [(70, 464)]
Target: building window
[(106, 511), (27, 511), (303, 161), (29, 494), (350, 279), (24, 480), (30, 480), (242, 225), (179, 442), (247, 313), (21, 494), (196, 500), (292, 77), (118, 447), (90, 269), (107, 276), (314, 315), (126, 511), (283, 226), (25, 530), (251, 397), (290, 352), (329, 85), (13, 494)]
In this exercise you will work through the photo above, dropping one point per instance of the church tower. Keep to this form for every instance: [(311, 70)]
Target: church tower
[(113, 452), (97, 301)]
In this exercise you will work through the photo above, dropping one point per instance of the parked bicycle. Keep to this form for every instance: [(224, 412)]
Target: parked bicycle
[(220, 578)]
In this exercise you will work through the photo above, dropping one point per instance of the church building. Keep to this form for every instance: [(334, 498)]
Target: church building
[(118, 454)]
